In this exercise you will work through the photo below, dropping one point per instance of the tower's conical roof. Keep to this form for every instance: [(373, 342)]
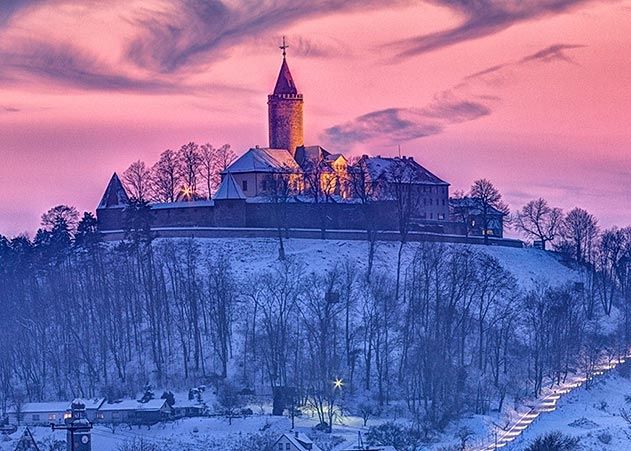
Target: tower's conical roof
[(115, 194), (285, 83)]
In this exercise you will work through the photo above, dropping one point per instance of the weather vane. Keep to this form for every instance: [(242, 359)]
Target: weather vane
[(284, 47)]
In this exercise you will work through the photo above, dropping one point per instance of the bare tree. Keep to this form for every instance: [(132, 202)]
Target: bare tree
[(539, 221), (489, 198), (137, 179), (166, 177), (279, 191), (362, 188), (61, 216), (190, 162), (580, 228), (213, 161)]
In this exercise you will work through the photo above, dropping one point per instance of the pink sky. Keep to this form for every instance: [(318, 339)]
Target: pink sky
[(532, 94)]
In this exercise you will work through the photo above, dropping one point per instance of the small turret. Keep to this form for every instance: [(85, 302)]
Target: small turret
[(115, 194)]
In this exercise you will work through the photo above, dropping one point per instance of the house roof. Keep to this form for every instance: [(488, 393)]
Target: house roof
[(115, 194), (132, 404), (56, 406), (310, 153), (285, 82), (259, 159), (407, 169), (300, 441), (229, 189)]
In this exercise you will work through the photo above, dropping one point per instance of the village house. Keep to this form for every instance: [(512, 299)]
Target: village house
[(46, 413), (134, 412), (294, 441)]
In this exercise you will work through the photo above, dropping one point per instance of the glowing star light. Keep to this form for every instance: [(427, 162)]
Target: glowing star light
[(338, 383)]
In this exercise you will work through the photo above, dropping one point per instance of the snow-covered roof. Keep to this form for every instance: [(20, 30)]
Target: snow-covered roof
[(42, 407), (229, 189), (182, 204), (56, 406), (115, 194), (370, 448), (132, 404), (404, 168), (300, 441), (259, 159)]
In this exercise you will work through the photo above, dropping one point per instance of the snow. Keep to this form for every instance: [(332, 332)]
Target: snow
[(251, 256), (589, 413)]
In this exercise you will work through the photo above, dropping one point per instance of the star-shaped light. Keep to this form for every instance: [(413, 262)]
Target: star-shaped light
[(338, 383)]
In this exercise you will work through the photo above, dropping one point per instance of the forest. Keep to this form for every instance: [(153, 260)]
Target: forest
[(446, 332)]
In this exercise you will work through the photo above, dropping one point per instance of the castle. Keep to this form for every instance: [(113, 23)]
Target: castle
[(314, 188)]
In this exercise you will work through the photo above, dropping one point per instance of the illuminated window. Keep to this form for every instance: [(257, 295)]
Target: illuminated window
[(52, 416)]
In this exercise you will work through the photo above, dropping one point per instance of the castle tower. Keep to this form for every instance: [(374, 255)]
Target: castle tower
[(284, 108)]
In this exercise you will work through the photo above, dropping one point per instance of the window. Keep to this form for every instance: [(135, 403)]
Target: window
[(264, 185), (99, 415), (431, 216), (441, 216), (280, 447), (52, 417), (287, 446), (116, 415), (244, 184), (35, 417)]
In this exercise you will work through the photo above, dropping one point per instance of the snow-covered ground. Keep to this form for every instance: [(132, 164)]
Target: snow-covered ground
[(591, 413), (251, 256)]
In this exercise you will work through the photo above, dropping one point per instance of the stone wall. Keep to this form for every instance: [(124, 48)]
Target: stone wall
[(285, 121), (294, 215)]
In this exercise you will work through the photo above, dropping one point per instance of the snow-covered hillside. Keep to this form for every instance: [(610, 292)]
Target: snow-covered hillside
[(250, 256), (592, 413)]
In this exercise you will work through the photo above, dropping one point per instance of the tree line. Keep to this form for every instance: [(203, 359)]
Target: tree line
[(450, 332), (189, 173)]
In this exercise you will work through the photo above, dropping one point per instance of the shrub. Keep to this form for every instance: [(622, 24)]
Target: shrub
[(604, 437), (393, 434), (138, 445), (554, 441)]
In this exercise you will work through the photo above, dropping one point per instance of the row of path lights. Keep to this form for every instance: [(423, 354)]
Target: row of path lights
[(504, 436)]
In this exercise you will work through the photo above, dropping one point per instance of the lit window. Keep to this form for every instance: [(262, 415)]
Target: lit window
[(52, 416), (244, 184)]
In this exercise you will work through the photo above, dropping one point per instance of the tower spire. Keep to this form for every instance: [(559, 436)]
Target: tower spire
[(284, 48)]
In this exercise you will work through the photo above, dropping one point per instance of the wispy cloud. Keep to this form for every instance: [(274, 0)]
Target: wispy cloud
[(452, 106), (483, 18), (557, 52), (397, 125), (200, 30)]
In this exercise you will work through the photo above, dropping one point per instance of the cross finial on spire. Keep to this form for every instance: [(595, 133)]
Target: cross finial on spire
[(284, 48)]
